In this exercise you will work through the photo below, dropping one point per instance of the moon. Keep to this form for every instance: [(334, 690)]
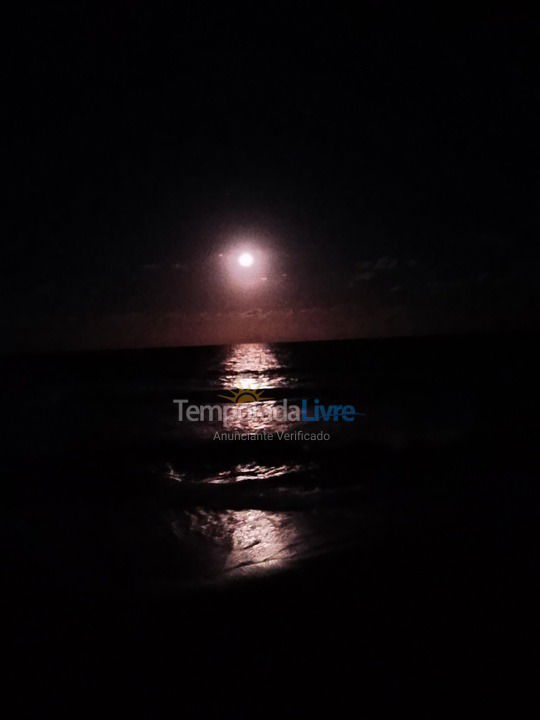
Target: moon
[(246, 259)]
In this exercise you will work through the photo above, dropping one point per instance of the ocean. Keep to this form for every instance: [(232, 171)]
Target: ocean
[(199, 501), (149, 547)]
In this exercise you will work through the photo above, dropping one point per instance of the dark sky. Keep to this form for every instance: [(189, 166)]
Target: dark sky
[(385, 161)]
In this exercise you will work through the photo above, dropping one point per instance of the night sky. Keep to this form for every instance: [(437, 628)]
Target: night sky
[(384, 161)]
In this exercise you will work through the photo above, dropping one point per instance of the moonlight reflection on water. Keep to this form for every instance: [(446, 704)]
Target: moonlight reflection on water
[(246, 540), (223, 541), (252, 365)]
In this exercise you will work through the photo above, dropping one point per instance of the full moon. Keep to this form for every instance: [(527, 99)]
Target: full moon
[(247, 265), (246, 259)]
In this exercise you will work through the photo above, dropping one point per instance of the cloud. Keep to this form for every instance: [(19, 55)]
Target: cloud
[(386, 263)]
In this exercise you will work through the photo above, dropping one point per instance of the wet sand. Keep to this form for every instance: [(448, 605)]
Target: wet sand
[(434, 605)]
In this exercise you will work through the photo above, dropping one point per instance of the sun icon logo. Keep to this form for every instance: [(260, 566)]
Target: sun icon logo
[(244, 395)]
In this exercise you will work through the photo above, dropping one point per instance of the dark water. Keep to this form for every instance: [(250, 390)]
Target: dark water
[(413, 526), (96, 438)]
